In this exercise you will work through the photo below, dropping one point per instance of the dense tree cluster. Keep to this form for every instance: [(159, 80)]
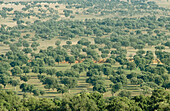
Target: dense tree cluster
[(159, 100)]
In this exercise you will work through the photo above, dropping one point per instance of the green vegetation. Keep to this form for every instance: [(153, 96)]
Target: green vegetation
[(107, 54), (159, 100)]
